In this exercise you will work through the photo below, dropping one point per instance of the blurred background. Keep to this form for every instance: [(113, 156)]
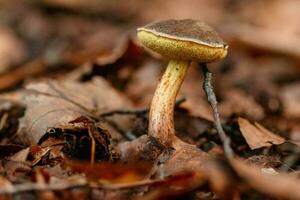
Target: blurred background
[(80, 39)]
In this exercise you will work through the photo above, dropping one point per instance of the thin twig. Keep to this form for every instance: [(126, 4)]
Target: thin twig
[(136, 111), (3, 120), (211, 97), (27, 187), (93, 145), (34, 187)]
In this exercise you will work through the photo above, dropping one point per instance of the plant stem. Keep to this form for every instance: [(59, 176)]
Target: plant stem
[(161, 116), (211, 97)]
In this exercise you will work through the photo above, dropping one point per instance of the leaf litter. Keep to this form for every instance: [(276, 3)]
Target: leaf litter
[(76, 95)]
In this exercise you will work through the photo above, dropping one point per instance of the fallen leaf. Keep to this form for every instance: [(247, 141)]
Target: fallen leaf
[(9, 149), (284, 43), (265, 161), (192, 89), (237, 102), (264, 19), (52, 103), (20, 156), (290, 96), (222, 179), (186, 157), (121, 10), (4, 183), (12, 49), (16, 171), (175, 186), (15, 76), (142, 85), (117, 66), (140, 149), (278, 185), (183, 158), (257, 136), (42, 178)]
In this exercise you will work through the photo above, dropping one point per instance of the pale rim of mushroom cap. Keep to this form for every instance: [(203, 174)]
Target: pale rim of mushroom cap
[(186, 30)]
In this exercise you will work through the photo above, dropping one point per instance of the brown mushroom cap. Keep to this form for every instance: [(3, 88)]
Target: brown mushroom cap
[(185, 39)]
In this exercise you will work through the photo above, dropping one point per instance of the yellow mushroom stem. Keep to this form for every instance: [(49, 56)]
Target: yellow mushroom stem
[(161, 118)]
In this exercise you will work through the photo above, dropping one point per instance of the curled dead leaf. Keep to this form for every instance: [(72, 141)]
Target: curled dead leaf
[(278, 185), (52, 103), (257, 136)]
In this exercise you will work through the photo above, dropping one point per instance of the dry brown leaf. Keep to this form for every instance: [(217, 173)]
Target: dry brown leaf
[(16, 171), (234, 177), (275, 14), (265, 161), (140, 149), (142, 85), (46, 107), (41, 178), (15, 76), (116, 9), (210, 11), (186, 157), (9, 149), (221, 179), (274, 24), (20, 156), (276, 185), (237, 102), (257, 136), (174, 186), (4, 183), (266, 39), (12, 49), (290, 96)]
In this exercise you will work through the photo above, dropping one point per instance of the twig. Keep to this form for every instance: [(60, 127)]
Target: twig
[(34, 187), (211, 97), (290, 160), (129, 112), (27, 187), (93, 145), (136, 111), (3, 120)]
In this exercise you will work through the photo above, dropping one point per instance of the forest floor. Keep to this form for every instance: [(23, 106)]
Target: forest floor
[(76, 87)]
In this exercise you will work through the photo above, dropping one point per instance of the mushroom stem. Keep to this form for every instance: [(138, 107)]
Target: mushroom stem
[(161, 117)]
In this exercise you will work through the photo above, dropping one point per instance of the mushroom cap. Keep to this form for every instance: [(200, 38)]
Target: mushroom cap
[(186, 39)]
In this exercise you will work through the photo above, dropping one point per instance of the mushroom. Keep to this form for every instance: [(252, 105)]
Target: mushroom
[(180, 41)]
